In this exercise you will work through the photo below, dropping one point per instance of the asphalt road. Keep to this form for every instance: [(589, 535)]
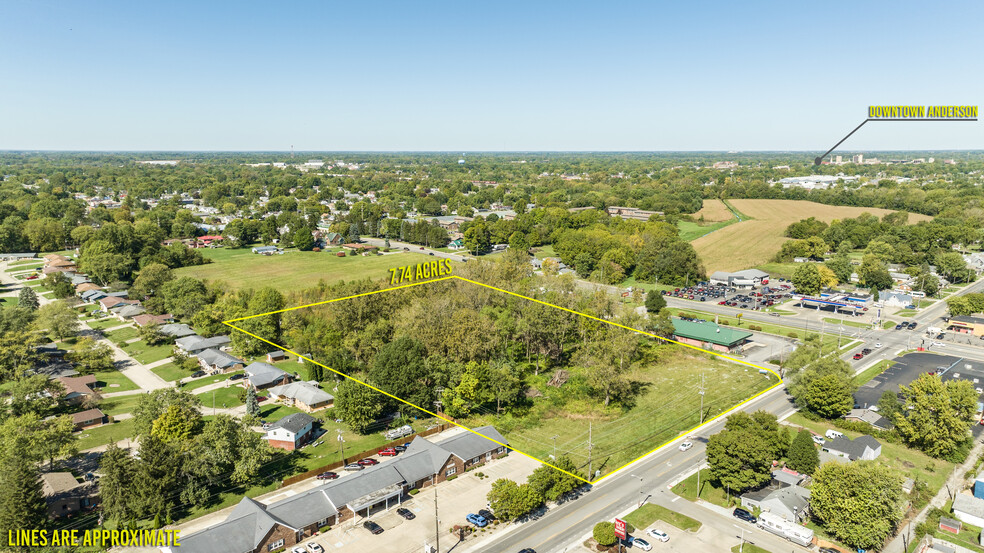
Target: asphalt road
[(556, 529)]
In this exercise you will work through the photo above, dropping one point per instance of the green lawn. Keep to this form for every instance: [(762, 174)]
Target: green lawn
[(649, 513), (170, 372), (691, 231), (687, 489), (224, 397), (779, 270), (119, 337), (148, 354), (846, 322), (873, 371), (243, 269), (103, 324), (909, 461), (271, 412), (8, 302), (105, 434), (106, 379), (748, 548), (195, 384), (119, 404)]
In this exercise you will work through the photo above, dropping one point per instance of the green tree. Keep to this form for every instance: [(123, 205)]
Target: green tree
[(661, 324), (739, 460), (303, 239), (27, 299), (152, 405), (860, 503), (807, 279), (400, 364), (841, 266), (655, 302), (91, 356), (359, 406), (151, 278), (829, 396), (503, 499), (151, 333), (874, 274), (22, 504), (803, 456), (604, 533), (185, 296), (116, 491), (936, 416), (477, 238), (889, 405), (518, 241), (252, 405), (59, 319), (176, 425)]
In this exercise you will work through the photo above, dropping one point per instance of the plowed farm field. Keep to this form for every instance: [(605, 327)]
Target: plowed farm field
[(753, 242)]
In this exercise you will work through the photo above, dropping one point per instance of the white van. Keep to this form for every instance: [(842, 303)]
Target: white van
[(833, 434)]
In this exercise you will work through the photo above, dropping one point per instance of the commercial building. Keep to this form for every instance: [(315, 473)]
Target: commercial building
[(965, 324), (708, 335), (749, 278)]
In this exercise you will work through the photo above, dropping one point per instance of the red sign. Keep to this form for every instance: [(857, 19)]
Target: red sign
[(620, 529)]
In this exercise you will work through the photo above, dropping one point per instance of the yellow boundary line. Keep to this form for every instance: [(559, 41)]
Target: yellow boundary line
[(694, 429)]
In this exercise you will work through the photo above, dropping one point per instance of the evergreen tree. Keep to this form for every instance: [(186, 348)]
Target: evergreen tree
[(27, 299), (252, 405), (803, 456), (21, 503)]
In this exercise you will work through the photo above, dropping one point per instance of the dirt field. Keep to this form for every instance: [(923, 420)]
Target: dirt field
[(713, 211), (750, 243)]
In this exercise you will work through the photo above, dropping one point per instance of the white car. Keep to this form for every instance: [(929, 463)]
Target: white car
[(657, 535), (939, 344), (877, 344), (686, 445), (818, 440), (314, 548), (298, 549), (640, 543)]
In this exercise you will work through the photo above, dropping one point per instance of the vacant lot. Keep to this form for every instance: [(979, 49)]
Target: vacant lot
[(754, 242), (244, 269)]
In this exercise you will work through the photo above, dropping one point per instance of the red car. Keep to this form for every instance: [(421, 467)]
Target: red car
[(388, 452), (32, 277), (327, 476), (858, 356), (368, 462)]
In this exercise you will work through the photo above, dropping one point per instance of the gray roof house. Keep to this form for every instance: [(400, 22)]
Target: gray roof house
[(92, 295), (130, 311), (195, 343), (291, 431), (969, 509), (176, 330), (263, 375), (864, 448), (215, 360), (469, 445), (304, 395), (790, 502), (871, 417)]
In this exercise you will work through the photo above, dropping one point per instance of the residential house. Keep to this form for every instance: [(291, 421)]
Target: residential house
[(266, 250), (215, 361), (789, 502), (458, 244), (92, 295), (85, 287), (264, 375), (109, 301), (894, 299), (177, 330), (191, 345), (78, 388), (129, 312), (291, 432), (333, 239), (148, 319), (65, 495), (863, 448), (275, 356), (871, 417), (303, 395), (969, 509), (88, 419)]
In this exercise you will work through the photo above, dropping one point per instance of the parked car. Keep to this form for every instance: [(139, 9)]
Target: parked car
[(898, 326), (197, 374), (487, 514), (477, 520), (388, 452), (372, 527), (353, 466), (406, 513), (367, 462), (686, 445), (314, 548), (527, 550), (833, 434), (910, 307), (238, 376), (940, 336), (398, 433), (742, 514), (818, 440), (298, 549), (400, 448), (639, 543), (657, 535), (866, 351), (328, 475), (858, 356)]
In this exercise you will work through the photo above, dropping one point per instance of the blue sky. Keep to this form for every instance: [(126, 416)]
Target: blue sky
[(502, 75)]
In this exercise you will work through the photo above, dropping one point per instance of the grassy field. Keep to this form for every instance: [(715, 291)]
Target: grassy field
[(223, 397), (145, 354), (170, 372), (649, 513), (909, 461), (119, 337), (244, 269), (103, 324), (873, 371), (195, 384), (692, 231), (107, 379), (748, 548), (687, 489), (666, 405), (846, 322), (714, 211), (119, 404), (105, 434), (754, 242)]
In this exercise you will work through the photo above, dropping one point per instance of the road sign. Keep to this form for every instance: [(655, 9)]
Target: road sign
[(620, 529)]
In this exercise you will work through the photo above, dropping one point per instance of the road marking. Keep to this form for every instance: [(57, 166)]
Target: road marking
[(674, 499)]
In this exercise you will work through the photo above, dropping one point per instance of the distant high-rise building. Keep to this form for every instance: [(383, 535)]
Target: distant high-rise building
[(859, 159), (838, 159)]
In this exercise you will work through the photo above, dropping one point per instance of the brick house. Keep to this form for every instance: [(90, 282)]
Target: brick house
[(88, 419), (215, 361), (78, 388), (291, 431), (65, 495), (303, 395), (264, 375)]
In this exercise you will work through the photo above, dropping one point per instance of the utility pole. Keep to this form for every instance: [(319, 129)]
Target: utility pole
[(437, 522), (341, 445), (555, 445), (590, 445), (700, 391)]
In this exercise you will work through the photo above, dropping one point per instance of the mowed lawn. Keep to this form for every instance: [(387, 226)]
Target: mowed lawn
[(667, 405), (754, 242), (294, 269)]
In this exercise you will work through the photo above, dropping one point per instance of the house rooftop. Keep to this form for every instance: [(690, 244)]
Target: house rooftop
[(294, 422), (261, 374), (468, 445)]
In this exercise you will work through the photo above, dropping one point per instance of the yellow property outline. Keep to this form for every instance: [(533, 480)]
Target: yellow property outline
[(694, 429)]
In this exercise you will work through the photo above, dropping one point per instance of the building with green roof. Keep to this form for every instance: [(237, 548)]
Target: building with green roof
[(710, 336)]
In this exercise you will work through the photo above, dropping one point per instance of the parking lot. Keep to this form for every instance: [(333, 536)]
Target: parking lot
[(734, 297)]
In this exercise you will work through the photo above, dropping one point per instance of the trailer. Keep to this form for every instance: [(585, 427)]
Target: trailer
[(781, 527)]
